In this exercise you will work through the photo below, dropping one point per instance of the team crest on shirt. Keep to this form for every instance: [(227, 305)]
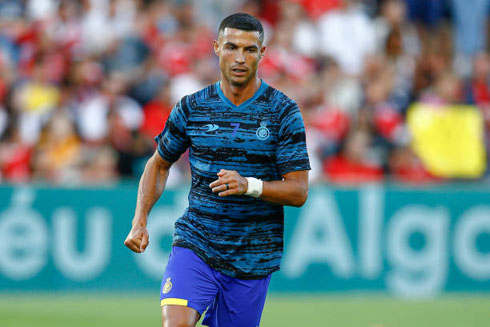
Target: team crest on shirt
[(263, 132), (167, 286)]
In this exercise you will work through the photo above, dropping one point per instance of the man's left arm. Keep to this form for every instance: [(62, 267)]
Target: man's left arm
[(291, 160), (292, 190)]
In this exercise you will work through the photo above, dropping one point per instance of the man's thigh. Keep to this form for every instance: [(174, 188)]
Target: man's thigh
[(187, 283), (239, 303), (176, 315)]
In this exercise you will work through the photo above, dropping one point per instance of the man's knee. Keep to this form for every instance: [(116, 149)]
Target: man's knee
[(177, 322), (172, 323), (179, 316)]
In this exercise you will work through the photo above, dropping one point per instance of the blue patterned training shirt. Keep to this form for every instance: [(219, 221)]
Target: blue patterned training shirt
[(264, 137)]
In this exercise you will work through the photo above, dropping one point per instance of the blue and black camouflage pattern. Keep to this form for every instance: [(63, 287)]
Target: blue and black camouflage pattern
[(264, 138)]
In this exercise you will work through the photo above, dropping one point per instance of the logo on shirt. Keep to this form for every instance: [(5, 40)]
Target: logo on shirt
[(211, 127), (167, 286), (262, 132)]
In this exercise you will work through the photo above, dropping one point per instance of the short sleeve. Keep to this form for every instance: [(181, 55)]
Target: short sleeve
[(173, 140), (292, 154)]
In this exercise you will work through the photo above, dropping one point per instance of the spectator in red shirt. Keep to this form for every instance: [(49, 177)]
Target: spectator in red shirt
[(353, 164)]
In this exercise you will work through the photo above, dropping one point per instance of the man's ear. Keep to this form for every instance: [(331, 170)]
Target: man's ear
[(215, 47), (262, 51)]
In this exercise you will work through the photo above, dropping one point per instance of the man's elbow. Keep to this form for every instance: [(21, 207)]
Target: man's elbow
[(301, 197), (159, 163)]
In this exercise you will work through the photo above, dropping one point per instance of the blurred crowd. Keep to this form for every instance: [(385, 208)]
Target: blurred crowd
[(86, 85)]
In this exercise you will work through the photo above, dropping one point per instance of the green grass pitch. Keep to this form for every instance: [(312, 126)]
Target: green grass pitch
[(142, 310)]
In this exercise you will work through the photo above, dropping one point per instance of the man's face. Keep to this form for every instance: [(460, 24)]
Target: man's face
[(239, 53)]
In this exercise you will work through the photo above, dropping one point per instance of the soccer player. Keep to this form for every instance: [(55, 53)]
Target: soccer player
[(248, 159)]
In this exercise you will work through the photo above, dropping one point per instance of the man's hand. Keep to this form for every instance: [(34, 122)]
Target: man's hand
[(229, 182), (137, 239)]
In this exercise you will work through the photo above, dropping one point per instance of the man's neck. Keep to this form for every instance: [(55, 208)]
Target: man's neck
[(239, 94)]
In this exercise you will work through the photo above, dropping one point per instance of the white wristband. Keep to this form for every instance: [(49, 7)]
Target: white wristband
[(254, 187)]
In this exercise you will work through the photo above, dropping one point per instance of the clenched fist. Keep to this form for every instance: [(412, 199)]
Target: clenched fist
[(137, 239), (229, 182)]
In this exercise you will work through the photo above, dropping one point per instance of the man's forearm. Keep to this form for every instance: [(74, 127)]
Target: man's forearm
[(292, 190), (151, 186), (290, 193)]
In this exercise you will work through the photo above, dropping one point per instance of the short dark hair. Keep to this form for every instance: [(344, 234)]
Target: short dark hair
[(244, 22)]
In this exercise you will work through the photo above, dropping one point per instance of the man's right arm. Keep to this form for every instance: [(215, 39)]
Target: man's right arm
[(151, 186)]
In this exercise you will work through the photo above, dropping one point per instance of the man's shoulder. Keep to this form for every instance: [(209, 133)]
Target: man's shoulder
[(204, 94), (278, 98)]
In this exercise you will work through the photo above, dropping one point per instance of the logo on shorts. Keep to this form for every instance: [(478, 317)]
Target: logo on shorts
[(262, 132), (167, 286)]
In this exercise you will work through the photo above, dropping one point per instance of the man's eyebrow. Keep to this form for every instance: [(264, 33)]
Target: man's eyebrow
[(247, 47)]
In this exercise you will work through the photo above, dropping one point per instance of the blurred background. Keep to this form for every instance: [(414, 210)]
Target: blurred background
[(395, 95)]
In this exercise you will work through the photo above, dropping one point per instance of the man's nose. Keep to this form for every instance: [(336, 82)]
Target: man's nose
[(239, 58)]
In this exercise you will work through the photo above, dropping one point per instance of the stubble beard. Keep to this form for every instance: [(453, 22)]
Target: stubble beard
[(243, 83)]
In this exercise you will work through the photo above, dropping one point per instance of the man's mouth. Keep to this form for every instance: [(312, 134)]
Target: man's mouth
[(238, 71)]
